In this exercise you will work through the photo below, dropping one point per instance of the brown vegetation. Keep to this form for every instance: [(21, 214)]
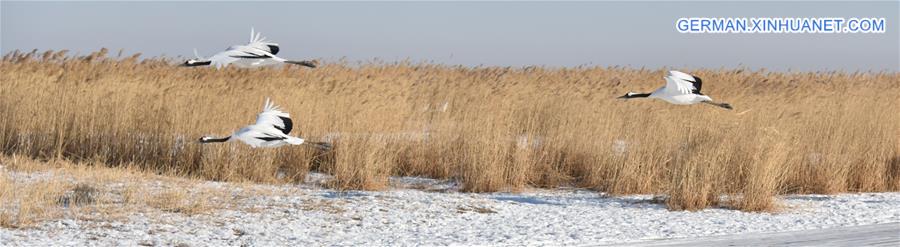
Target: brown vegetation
[(32, 191), (491, 128)]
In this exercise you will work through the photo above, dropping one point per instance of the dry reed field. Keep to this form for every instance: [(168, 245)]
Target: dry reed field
[(490, 128), (34, 191)]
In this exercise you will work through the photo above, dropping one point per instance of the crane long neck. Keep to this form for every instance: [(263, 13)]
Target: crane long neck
[(223, 139), (200, 63), (638, 95)]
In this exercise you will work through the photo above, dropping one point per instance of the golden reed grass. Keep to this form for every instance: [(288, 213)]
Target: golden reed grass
[(33, 191), (491, 128)]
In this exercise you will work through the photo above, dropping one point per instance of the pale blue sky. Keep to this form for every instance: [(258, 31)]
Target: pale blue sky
[(634, 34)]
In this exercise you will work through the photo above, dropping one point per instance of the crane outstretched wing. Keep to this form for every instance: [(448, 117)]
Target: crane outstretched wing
[(247, 52), (694, 80), (681, 83), (246, 55), (259, 42), (224, 58), (274, 117)]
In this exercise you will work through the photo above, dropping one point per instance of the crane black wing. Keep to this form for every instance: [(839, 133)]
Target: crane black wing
[(287, 123), (697, 84), (275, 118)]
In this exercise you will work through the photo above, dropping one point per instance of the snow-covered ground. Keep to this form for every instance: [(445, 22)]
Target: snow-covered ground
[(428, 212)]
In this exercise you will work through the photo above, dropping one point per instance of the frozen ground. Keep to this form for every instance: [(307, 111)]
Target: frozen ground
[(887, 234), (428, 212)]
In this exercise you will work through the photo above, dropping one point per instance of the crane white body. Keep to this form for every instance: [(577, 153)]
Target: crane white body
[(272, 129), (256, 53), (680, 89)]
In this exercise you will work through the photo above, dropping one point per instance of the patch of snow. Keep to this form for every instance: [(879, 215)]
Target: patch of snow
[(308, 215)]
